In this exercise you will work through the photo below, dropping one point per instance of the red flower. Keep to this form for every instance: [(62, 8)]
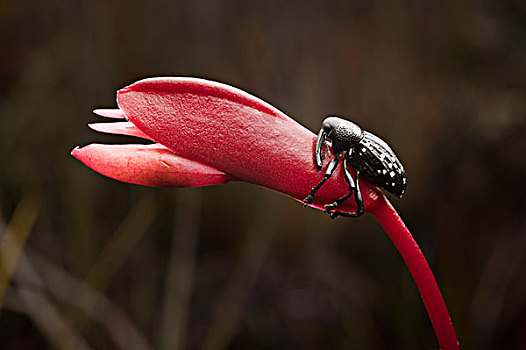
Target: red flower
[(210, 133)]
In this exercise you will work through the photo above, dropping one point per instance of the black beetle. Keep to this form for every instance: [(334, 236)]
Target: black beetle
[(367, 154)]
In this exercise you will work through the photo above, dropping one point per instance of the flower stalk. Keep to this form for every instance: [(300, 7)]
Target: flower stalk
[(420, 271)]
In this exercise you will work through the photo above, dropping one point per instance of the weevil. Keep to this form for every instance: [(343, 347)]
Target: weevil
[(369, 156)]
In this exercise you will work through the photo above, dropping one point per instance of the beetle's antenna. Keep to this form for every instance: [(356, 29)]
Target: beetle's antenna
[(319, 143)]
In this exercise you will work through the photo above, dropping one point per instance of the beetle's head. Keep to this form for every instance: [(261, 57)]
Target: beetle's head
[(342, 134), (341, 130)]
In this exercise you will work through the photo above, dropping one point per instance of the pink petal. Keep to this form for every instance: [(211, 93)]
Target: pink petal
[(120, 128), (148, 165), (110, 113), (235, 132)]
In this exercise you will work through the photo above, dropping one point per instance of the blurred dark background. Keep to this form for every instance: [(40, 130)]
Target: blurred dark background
[(102, 264)]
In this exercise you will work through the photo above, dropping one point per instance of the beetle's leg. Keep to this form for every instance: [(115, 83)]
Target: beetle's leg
[(330, 169), (350, 182), (359, 203), (327, 152), (322, 135)]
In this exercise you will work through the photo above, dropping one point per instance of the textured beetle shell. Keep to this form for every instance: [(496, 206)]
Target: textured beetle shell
[(377, 163)]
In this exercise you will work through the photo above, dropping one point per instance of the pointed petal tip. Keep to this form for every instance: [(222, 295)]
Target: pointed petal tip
[(119, 128), (75, 152), (110, 113), (80, 153)]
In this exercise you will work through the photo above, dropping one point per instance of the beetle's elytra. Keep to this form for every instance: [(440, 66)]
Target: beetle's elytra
[(367, 154)]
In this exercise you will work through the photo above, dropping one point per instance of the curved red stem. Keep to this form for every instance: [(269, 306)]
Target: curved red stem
[(419, 269)]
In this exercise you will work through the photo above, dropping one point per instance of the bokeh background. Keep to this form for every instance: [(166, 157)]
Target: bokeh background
[(89, 262)]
